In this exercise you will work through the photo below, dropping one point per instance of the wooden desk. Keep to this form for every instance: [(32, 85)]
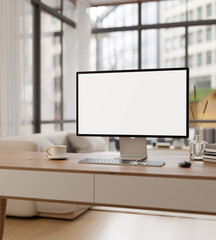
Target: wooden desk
[(28, 175)]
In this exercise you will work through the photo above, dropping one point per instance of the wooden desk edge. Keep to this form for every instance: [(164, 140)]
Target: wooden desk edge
[(4, 198), (165, 175)]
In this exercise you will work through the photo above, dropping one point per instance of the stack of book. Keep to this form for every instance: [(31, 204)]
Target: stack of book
[(210, 153)]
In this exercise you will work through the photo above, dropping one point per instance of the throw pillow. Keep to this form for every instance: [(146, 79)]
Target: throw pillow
[(87, 144)]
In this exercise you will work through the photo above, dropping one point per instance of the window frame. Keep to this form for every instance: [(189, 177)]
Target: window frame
[(139, 27), (38, 7)]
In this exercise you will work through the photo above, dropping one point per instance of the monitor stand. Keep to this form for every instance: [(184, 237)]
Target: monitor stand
[(132, 148)]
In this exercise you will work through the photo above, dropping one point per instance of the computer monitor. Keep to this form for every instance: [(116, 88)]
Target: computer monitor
[(133, 105)]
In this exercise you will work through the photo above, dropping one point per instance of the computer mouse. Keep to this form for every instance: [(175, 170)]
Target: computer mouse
[(184, 163)]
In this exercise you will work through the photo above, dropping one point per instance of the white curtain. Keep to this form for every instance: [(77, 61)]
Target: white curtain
[(15, 67), (76, 57), (83, 35), (16, 86)]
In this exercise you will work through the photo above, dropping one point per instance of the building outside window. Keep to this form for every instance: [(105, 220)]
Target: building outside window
[(182, 17), (168, 64), (190, 61), (209, 9), (208, 34), (199, 59), (182, 59), (175, 19), (199, 36), (199, 13), (208, 57), (168, 45), (190, 38), (175, 42), (190, 15), (183, 41), (175, 62)]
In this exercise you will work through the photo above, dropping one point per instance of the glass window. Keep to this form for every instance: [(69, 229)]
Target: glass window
[(49, 24), (203, 82), (209, 9), (175, 62), (183, 41), (70, 10), (208, 34), (190, 15), (202, 73), (160, 48), (93, 52), (168, 44), (50, 68), (150, 48), (57, 76), (175, 42), (69, 126), (182, 62), (167, 4), (175, 19), (199, 59), (208, 57), (190, 61), (69, 82), (168, 64), (199, 13), (175, 54), (115, 16), (199, 36), (183, 17), (54, 4), (175, 12), (150, 13), (204, 91), (50, 128), (190, 38), (166, 47), (117, 50)]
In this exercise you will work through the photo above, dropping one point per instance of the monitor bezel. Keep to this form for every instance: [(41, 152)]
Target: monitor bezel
[(134, 70)]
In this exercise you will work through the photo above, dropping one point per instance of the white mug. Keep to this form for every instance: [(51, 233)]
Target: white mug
[(57, 151)]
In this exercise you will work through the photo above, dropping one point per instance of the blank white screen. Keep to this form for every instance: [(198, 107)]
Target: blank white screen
[(146, 103)]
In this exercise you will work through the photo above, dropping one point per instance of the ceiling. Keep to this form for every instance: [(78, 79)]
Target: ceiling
[(111, 2)]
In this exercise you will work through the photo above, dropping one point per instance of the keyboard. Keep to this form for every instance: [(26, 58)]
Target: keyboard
[(113, 161)]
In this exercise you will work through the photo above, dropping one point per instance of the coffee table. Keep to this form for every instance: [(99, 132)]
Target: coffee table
[(29, 176)]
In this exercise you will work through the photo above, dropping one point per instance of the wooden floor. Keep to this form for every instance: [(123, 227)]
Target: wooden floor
[(108, 225)]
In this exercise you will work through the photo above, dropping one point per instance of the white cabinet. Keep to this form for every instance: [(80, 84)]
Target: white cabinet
[(156, 192), (47, 185)]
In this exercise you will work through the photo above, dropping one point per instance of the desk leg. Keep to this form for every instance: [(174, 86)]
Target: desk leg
[(3, 203)]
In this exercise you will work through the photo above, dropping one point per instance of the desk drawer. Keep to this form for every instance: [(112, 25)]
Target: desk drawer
[(47, 185), (156, 193)]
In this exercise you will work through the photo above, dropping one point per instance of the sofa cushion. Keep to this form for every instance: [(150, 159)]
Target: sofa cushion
[(60, 210), (87, 144), (18, 145), (42, 142), (21, 208)]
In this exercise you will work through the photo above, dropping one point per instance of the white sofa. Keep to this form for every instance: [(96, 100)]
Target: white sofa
[(40, 142)]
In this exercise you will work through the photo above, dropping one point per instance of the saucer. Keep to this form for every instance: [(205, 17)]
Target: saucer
[(57, 158)]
